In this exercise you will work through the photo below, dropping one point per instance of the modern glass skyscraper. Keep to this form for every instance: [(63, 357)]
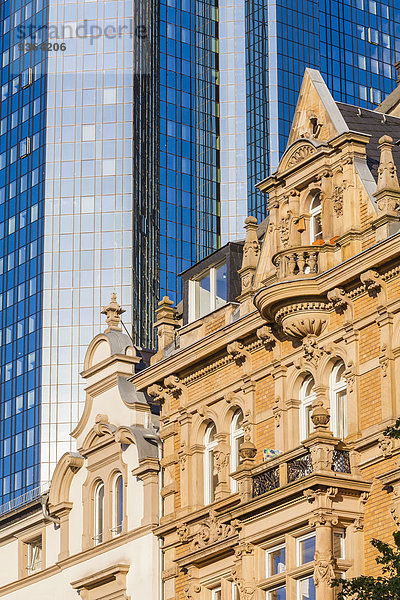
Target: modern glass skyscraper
[(130, 150)]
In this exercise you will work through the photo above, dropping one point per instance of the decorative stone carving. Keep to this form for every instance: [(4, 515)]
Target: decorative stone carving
[(374, 285), (102, 426), (320, 417), (238, 352), (157, 392), (388, 189), (312, 353), (192, 591), (349, 376), (246, 589), (324, 570), (173, 385), (243, 549), (277, 411), (300, 153), (384, 360), (358, 524), (221, 457), (284, 228), (337, 200), (341, 303), (303, 319), (183, 533), (265, 334), (247, 451), (113, 314), (385, 445), (251, 248), (212, 530)]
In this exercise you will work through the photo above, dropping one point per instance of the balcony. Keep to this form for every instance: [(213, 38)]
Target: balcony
[(292, 467), (303, 261)]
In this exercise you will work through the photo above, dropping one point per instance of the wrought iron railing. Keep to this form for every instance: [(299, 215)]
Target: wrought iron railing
[(299, 467), (20, 501), (266, 481), (341, 461)]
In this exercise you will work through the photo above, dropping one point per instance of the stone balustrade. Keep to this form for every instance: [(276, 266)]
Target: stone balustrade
[(304, 261)]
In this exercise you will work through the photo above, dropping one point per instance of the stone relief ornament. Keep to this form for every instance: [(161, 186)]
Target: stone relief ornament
[(300, 154), (246, 589), (385, 445), (324, 570), (213, 530), (237, 351), (337, 200), (266, 336), (277, 411), (384, 360), (183, 533), (192, 591), (284, 228)]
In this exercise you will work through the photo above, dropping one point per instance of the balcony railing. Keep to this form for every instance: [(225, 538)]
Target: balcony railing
[(24, 499), (292, 466), (303, 261)]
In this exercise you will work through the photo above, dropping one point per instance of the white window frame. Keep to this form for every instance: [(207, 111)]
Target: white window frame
[(235, 434), (300, 539), (194, 286), (305, 403), (116, 527), (208, 450), (34, 555), (342, 533), (299, 582), (335, 387), (235, 591), (98, 536), (267, 565), (214, 592), (315, 212), (274, 589)]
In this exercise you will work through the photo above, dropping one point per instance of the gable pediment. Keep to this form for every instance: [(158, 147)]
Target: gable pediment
[(297, 153)]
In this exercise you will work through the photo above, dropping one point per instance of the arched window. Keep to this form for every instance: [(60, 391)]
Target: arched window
[(307, 396), (316, 219), (237, 438), (98, 513), (210, 471), (118, 505), (338, 401)]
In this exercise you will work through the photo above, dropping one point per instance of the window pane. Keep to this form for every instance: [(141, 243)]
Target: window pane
[(307, 589), (213, 477), (307, 550), (338, 544), (204, 295), (278, 594), (277, 561), (341, 398), (221, 286)]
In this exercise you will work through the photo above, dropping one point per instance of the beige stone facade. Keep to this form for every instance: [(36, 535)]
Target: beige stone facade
[(92, 534), (305, 375)]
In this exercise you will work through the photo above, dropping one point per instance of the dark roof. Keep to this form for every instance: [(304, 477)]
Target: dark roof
[(376, 125)]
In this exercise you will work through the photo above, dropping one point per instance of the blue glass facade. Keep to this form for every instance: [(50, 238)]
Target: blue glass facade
[(22, 160), (126, 160)]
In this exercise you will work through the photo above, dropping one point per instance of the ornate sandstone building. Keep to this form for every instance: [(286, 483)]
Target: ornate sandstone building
[(275, 379), (277, 386)]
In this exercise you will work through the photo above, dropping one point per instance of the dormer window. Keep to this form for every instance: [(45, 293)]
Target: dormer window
[(208, 292), (316, 219)]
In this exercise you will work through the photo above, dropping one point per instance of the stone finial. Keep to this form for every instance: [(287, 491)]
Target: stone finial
[(251, 249), (387, 172), (113, 312), (320, 417), (251, 252), (166, 323)]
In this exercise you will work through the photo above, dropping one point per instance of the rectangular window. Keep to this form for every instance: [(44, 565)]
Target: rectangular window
[(277, 593), (305, 549), (25, 147), (339, 538), (34, 555), (276, 561), (306, 589), (216, 594), (208, 292)]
